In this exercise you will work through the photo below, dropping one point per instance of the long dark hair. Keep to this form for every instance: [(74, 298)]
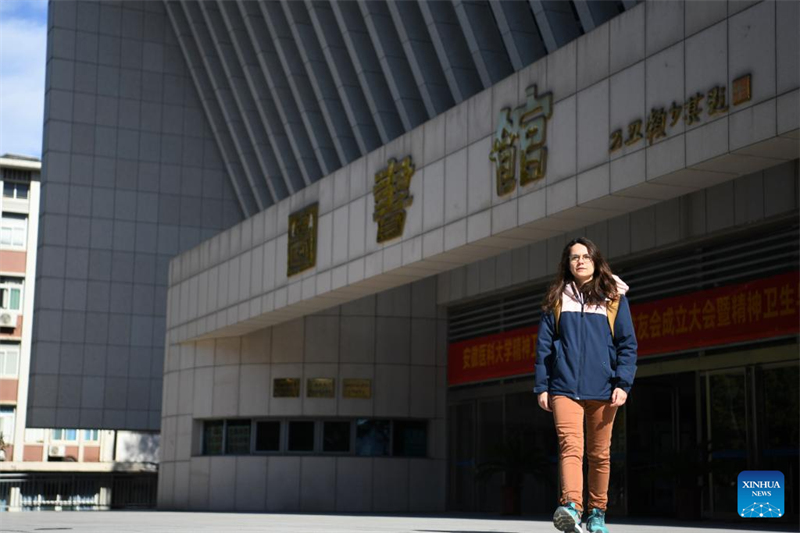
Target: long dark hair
[(595, 292)]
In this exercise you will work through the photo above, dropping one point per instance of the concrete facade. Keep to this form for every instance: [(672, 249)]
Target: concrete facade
[(396, 339), (700, 180), (131, 176)]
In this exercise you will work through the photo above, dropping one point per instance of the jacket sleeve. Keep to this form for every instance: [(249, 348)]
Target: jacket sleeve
[(545, 352), (626, 345)]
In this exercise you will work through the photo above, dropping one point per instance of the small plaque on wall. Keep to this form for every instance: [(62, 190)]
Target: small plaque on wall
[(286, 388), (321, 388), (357, 388)]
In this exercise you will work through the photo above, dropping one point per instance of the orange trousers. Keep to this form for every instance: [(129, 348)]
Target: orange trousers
[(569, 416)]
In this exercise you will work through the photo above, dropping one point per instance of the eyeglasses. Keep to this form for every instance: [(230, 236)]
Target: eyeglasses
[(586, 258)]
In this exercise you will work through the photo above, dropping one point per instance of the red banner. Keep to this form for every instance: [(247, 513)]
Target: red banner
[(491, 357), (755, 310), (747, 311)]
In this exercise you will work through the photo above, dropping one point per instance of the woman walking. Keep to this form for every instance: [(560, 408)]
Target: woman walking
[(585, 365)]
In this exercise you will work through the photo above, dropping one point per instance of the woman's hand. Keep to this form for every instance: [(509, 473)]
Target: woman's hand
[(618, 397), (544, 401)]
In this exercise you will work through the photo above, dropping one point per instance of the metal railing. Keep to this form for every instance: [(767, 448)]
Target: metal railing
[(77, 491)]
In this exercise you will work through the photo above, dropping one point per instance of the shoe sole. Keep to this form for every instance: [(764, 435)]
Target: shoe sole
[(564, 521)]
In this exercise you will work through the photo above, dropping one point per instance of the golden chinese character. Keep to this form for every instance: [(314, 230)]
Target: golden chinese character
[(642, 321), (680, 318), (741, 89), (531, 121), (753, 306), (517, 343), (302, 241), (634, 132), (616, 141), (694, 313), (724, 311), (787, 300), (655, 324), (675, 112), (739, 308), (656, 124), (709, 315), (391, 191), (668, 322), (772, 302), (526, 347), (473, 359), (490, 354), (693, 109), (482, 355), (716, 100), (504, 153), (508, 349)]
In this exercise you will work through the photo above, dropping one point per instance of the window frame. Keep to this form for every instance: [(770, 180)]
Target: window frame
[(5, 351), (13, 222), (6, 286), (15, 183)]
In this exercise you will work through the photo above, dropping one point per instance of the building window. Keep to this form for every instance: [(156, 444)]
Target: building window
[(7, 423), (10, 293), (16, 189), (91, 435), (268, 436), (301, 436), (13, 230), (34, 435), (372, 437), (237, 437), (213, 433), (9, 360), (64, 434), (336, 437), (410, 438)]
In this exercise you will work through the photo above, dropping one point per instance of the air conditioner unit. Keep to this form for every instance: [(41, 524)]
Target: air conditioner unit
[(8, 319), (56, 451)]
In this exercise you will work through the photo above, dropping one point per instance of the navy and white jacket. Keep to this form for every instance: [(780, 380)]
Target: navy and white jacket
[(584, 361)]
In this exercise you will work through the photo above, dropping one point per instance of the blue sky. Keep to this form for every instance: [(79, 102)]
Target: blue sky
[(23, 43)]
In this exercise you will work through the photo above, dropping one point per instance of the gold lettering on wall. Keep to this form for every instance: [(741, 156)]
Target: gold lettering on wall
[(392, 197), (302, 243)]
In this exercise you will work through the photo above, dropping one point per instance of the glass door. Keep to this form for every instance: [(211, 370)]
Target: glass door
[(778, 435), (461, 444), (727, 419)]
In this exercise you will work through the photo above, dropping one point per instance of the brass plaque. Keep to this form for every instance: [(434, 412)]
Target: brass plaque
[(321, 388), (357, 388), (302, 243), (742, 90), (286, 388), (392, 197)]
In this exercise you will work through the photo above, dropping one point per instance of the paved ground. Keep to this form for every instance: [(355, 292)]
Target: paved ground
[(157, 522)]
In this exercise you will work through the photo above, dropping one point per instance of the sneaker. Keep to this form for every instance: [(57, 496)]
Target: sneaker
[(596, 523), (567, 518)]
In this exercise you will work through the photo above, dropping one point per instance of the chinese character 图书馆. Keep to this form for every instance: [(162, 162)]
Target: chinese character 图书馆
[(392, 196), (532, 127), (504, 153), (302, 252), (528, 123)]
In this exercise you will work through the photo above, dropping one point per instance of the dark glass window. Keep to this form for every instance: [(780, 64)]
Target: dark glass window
[(237, 437), (410, 438), (336, 437), (372, 437), (212, 437), (301, 436), (268, 436)]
